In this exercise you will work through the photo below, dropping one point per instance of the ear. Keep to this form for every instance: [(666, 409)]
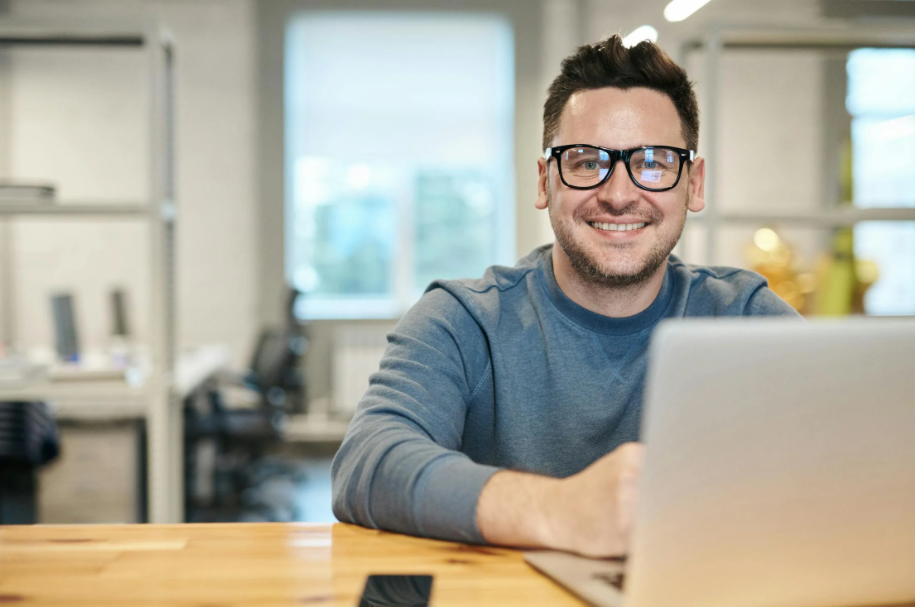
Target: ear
[(543, 177), (697, 185)]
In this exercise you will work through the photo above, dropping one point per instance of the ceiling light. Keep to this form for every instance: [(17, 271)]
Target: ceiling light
[(645, 32), (678, 10)]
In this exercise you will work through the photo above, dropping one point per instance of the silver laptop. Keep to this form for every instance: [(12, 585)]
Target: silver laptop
[(779, 470)]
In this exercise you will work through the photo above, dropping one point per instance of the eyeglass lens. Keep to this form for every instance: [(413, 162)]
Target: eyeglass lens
[(654, 168)]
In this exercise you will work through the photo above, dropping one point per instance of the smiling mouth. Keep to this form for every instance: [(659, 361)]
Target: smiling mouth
[(617, 227)]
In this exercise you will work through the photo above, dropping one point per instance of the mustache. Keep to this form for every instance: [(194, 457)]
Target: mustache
[(648, 214)]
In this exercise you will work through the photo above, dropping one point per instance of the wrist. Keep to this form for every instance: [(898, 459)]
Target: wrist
[(520, 509), (551, 514)]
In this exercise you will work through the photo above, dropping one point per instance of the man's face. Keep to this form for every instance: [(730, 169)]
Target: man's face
[(619, 119)]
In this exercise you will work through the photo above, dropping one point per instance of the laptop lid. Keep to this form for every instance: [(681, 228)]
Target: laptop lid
[(780, 465)]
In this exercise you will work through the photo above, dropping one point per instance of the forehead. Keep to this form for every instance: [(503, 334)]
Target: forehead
[(617, 118)]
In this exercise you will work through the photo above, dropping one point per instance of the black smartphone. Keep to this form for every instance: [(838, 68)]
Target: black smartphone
[(397, 591)]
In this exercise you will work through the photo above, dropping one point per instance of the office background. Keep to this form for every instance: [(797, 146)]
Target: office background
[(79, 119)]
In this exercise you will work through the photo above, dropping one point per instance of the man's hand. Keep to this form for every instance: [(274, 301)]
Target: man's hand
[(590, 513), (595, 509)]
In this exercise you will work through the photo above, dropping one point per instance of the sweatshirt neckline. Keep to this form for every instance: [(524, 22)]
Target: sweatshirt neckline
[(599, 323)]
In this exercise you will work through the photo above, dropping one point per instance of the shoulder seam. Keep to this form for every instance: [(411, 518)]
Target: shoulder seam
[(496, 285), (749, 301), (474, 314), (708, 270)]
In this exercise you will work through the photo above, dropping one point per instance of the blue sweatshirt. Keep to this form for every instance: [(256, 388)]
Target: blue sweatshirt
[(507, 372)]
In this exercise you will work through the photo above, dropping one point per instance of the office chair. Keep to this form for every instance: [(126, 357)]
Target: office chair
[(28, 440), (240, 438)]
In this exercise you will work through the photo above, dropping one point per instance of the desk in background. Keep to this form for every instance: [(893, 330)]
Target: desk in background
[(102, 474), (251, 564)]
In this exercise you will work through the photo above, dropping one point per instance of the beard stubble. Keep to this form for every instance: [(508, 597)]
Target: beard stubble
[(589, 268)]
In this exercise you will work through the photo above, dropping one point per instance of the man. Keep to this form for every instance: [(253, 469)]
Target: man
[(507, 409)]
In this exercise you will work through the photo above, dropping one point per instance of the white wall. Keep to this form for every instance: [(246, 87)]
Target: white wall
[(79, 118)]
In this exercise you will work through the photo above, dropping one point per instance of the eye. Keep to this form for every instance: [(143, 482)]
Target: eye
[(590, 165)]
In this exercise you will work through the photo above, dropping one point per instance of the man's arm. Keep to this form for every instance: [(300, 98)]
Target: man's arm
[(590, 513), (400, 467)]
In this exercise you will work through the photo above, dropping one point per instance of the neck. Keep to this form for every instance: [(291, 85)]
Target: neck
[(615, 302)]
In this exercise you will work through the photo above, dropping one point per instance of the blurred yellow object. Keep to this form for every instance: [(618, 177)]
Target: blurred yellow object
[(836, 274), (767, 240), (867, 273), (842, 280), (846, 174), (836, 288), (771, 256)]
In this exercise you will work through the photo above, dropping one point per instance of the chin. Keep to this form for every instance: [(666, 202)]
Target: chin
[(620, 268), (629, 276), (617, 273)]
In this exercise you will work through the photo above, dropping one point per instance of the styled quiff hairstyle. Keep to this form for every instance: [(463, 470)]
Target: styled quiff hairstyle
[(609, 63)]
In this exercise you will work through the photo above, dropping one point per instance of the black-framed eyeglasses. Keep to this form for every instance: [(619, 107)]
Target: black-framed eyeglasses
[(655, 168)]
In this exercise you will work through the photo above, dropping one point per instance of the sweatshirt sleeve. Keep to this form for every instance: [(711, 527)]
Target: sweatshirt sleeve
[(400, 467)]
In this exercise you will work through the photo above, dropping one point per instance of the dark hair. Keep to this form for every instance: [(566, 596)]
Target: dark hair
[(609, 63)]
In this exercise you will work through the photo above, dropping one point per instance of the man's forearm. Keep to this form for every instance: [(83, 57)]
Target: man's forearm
[(515, 509), (399, 482)]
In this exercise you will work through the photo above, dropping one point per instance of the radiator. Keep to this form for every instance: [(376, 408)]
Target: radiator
[(357, 351)]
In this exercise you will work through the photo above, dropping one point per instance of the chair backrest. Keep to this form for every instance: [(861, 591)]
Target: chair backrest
[(276, 364)]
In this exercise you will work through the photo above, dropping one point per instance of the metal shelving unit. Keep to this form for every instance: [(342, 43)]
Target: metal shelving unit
[(113, 211), (833, 38), (162, 406)]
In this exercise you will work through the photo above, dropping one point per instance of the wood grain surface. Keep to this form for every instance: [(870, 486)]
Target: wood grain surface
[(251, 564)]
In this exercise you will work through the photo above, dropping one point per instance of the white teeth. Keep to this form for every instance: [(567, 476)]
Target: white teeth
[(618, 227)]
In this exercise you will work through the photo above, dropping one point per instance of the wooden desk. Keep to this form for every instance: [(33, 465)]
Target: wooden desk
[(251, 564)]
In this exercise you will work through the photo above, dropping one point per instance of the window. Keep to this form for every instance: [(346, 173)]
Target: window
[(399, 156), (881, 101)]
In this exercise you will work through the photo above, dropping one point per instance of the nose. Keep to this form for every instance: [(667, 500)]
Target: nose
[(618, 190)]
